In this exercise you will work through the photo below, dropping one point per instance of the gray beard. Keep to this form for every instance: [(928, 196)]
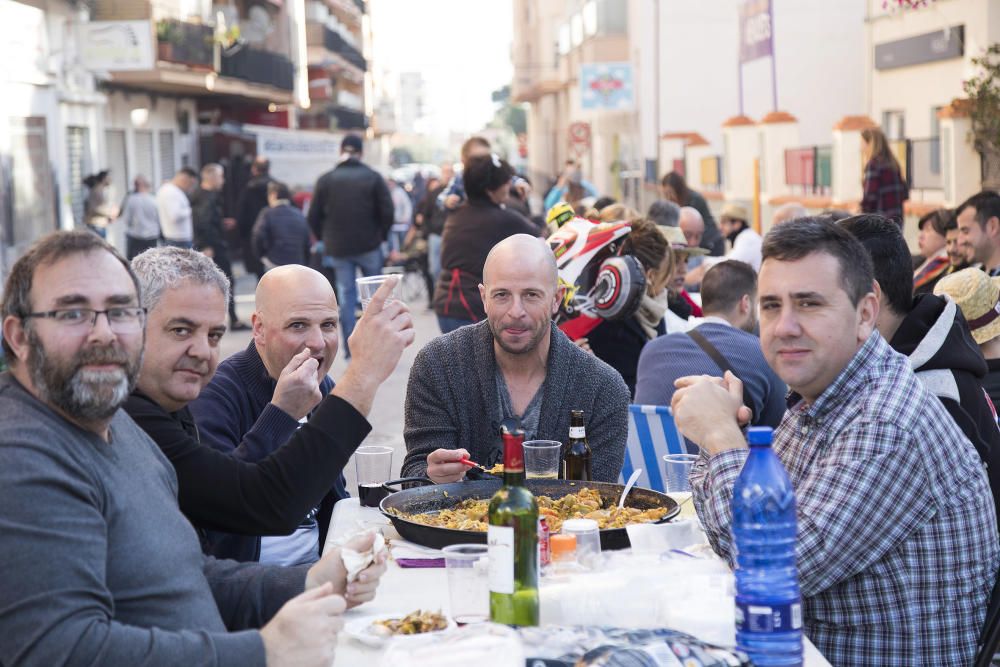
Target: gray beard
[(82, 394)]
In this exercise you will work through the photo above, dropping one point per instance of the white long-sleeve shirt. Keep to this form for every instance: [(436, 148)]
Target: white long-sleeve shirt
[(746, 248), (175, 213)]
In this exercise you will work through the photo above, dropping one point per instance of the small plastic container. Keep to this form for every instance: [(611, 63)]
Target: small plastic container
[(588, 538)]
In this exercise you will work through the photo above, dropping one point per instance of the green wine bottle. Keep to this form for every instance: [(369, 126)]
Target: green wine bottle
[(513, 539)]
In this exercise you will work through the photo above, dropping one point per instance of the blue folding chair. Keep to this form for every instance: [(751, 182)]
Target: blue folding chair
[(651, 435)]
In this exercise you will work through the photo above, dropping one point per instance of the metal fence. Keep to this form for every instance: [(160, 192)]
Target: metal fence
[(711, 173), (809, 168)]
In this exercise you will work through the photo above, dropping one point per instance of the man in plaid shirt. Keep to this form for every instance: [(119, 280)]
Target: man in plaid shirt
[(897, 544)]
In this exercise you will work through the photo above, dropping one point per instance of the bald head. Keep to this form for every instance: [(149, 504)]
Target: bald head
[(692, 224), (295, 308), (789, 211), (527, 255), (284, 285), (520, 294)]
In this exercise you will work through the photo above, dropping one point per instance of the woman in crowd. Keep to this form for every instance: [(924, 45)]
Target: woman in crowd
[(97, 213), (674, 188), (933, 257), (619, 343), (469, 234), (885, 190)]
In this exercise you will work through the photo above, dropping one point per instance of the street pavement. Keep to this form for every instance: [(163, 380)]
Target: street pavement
[(387, 412)]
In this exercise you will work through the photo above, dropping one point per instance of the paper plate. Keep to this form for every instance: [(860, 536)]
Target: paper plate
[(362, 629)]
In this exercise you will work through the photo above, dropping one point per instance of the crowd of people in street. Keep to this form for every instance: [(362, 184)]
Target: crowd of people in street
[(163, 505)]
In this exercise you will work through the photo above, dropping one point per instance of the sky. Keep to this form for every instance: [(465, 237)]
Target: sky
[(462, 48)]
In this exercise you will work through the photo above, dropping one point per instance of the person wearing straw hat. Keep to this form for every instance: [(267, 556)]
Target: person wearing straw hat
[(978, 297), (745, 242)]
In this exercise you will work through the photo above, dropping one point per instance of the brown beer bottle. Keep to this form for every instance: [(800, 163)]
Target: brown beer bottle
[(576, 454)]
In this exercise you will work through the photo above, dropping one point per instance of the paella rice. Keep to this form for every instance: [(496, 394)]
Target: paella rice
[(471, 514)]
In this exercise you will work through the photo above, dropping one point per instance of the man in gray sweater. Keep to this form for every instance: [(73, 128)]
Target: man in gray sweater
[(100, 567), (515, 364)]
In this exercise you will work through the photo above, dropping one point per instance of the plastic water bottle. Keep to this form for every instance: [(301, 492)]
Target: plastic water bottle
[(768, 602)]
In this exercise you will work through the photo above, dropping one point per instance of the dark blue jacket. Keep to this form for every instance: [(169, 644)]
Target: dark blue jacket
[(235, 415), (282, 236)]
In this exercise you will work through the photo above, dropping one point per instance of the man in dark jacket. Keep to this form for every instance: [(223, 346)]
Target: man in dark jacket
[(209, 230), (252, 201), (934, 335), (351, 212), (281, 235), (261, 396)]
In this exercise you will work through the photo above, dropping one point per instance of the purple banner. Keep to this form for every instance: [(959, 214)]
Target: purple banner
[(756, 36)]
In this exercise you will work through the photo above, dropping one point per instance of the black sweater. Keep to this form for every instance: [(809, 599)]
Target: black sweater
[(270, 497)]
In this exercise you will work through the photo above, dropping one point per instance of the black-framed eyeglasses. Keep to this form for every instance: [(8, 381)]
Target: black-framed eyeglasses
[(121, 319)]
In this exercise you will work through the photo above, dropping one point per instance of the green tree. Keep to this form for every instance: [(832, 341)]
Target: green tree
[(983, 90)]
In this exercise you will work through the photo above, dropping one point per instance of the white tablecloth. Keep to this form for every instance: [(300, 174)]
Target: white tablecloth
[(405, 590)]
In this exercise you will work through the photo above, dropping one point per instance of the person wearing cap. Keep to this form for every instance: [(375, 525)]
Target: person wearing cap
[(679, 301), (934, 262), (978, 297), (352, 213), (745, 242), (930, 332)]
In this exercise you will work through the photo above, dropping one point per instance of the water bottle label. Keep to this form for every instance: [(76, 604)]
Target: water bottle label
[(500, 540), (768, 618)]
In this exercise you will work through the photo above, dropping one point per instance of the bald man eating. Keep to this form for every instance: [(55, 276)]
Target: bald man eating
[(516, 363), (259, 397)]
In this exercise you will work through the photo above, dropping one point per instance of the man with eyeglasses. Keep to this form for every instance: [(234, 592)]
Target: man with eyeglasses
[(100, 567)]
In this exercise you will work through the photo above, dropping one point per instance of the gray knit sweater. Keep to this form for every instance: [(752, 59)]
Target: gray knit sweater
[(451, 401)]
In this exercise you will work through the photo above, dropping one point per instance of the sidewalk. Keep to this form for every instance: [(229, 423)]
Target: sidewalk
[(387, 412)]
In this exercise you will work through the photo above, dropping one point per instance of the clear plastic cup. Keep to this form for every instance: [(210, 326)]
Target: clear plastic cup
[(467, 566), (368, 286), (677, 467), (374, 467), (542, 459)]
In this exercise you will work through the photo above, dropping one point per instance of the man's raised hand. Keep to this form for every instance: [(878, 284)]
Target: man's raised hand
[(297, 392)]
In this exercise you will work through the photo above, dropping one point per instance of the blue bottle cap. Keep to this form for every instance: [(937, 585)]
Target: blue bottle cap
[(759, 435)]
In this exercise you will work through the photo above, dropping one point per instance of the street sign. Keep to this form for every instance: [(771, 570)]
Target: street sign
[(606, 86), (579, 138)]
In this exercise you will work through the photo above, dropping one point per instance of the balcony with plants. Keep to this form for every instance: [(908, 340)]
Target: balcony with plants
[(185, 43)]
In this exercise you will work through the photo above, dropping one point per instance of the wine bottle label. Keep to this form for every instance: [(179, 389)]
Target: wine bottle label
[(768, 618), (578, 431), (500, 540)]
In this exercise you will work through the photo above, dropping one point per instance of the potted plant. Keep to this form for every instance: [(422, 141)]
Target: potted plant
[(983, 90), (166, 34)]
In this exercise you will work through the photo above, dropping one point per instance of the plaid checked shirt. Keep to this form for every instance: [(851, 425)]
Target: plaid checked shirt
[(885, 191), (897, 545)]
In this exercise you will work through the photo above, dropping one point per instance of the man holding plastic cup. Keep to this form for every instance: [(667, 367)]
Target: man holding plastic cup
[(260, 396)]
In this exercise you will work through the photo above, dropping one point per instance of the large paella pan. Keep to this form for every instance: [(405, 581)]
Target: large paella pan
[(433, 498)]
